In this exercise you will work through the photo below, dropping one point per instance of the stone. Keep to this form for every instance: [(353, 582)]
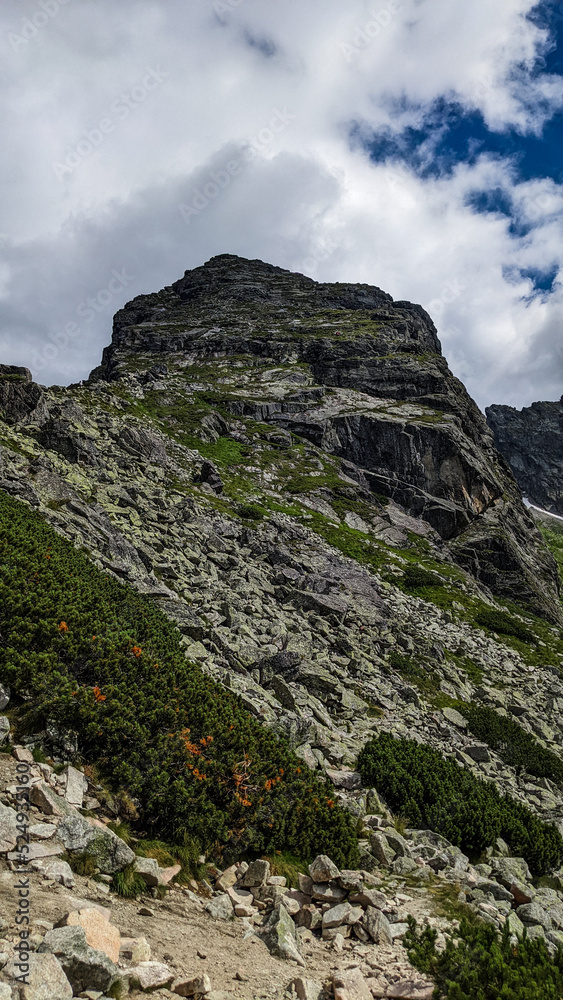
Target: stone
[(220, 907), (8, 828), (149, 976), (110, 852), (522, 893), (515, 924), (410, 989), (6, 992), (58, 871), (148, 869), (350, 985), (4, 696), (197, 985), (479, 752), (134, 950), (455, 717), (326, 893), (382, 849), (351, 880), (258, 873), (84, 967), (23, 755), (75, 786), (369, 897), (38, 851), (43, 796), (322, 869), (227, 879), (305, 883), (344, 779), (404, 866), (4, 729), (280, 936), (377, 925), (43, 831), (307, 989), (167, 874), (336, 915), (397, 843), (533, 914), (46, 979), (99, 933)]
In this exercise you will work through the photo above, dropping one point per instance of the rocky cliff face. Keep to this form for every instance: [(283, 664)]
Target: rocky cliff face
[(293, 474), (531, 441)]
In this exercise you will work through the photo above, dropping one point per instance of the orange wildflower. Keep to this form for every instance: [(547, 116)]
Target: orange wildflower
[(63, 627)]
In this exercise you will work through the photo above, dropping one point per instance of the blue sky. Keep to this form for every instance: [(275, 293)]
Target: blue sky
[(411, 144)]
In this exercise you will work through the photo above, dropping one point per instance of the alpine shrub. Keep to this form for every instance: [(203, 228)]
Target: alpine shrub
[(480, 965), (107, 664), (439, 795), (512, 743)]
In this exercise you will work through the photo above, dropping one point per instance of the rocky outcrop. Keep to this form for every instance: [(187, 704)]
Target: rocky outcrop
[(531, 441)]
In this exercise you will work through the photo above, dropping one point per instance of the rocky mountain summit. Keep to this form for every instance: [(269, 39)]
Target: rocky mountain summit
[(290, 473), (531, 440)]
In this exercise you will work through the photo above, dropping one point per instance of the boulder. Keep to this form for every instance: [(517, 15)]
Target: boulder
[(336, 915), (196, 986), (322, 869), (110, 852), (455, 717), (411, 989), (532, 914), (377, 925), (323, 892), (148, 869), (46, 979), (220, 907), (257, 873), (509, 870), (350, 985), (280, 936), (85, 968), (135, 950), (4, 696), (75, 786), (149, 976), (4, 728), (8, 828), (43, 796), (382, 849), (58, 871), (307, 989), (99, 933)]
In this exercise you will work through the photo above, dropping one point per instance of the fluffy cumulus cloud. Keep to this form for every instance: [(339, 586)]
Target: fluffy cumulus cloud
[(405, 143)]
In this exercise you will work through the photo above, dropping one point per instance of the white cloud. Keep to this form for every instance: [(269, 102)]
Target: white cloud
[(145, 104)]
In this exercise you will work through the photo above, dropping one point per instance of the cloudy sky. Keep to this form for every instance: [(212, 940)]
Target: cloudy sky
[(411, 144)]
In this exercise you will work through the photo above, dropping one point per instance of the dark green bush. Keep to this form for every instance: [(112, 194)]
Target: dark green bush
[(516, 747), (105, 662), (484, 966), (502, 622), (416, 578), (438, 794)]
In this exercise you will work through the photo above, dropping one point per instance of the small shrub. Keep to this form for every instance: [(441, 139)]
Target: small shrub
[(417, 578), (481, 965), (505, 624), (128, 883), (512, 743), (81, 864), (439, 795)]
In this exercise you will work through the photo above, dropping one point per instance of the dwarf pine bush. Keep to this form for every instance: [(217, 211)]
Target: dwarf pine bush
[(438, 794), (103, 661)]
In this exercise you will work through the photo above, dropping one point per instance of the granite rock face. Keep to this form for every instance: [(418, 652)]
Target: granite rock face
[(363, 379), (531, 441)]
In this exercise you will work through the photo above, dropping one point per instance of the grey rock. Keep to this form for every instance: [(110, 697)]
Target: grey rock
[(377, 925), (382, 849), (220, 907), (8, 828), (257, 873), (4, 696), (478, 752), (46, 979), (4, 729), (322, 869), (509, 870), (455, 717), (337, 915), (110, 852), (84, 967), (533, 913), (280, 936)]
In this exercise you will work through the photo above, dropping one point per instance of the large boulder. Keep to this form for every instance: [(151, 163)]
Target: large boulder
[(84, 967), (46, 979), (8, 828), (280, 936), (99, 933), (110, 852)]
